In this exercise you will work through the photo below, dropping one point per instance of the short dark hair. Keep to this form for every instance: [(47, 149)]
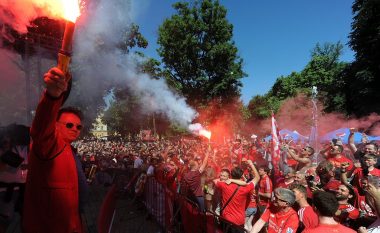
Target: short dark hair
[(324, 167), (265, 168), (236, 173), (374, 145), (300, 188), (72, 110), (226, 171), (326, 203)]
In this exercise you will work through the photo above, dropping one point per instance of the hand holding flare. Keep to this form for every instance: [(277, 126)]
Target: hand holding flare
[(71, 8)]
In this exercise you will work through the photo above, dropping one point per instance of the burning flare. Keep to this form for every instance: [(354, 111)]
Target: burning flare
[(205, 133), (199, 130), (71, 10), (19, 13), (71, 13)]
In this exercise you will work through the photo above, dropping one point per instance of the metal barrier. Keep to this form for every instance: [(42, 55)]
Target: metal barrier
[(175, 212)]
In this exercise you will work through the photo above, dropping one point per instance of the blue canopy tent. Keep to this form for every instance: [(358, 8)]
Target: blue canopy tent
[(343, 133), (288, 134)]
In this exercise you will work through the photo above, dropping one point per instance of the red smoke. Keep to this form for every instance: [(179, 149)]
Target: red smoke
[(223, 122), (296, 114)]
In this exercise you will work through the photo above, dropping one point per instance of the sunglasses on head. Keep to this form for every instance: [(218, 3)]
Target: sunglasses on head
[(70, 125)]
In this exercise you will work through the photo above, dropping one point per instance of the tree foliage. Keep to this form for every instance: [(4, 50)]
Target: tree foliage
[(198, 53), (324, 70), (362, 78)]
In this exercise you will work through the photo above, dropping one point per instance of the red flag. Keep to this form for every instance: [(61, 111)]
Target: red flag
[(275, 143)]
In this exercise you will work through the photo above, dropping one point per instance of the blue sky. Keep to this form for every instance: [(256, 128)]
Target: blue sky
[(274, 37)]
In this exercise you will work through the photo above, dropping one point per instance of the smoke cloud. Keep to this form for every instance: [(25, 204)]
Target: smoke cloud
[(103, 66), (296, 114), (100, 65), (12, 89)]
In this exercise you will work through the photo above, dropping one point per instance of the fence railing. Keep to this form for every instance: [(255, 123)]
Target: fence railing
[(173, 211)]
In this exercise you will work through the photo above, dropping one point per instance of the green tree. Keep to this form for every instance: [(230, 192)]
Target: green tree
[(261, 107), (124, 114), (324, 70), (362, 77), (199, 56)]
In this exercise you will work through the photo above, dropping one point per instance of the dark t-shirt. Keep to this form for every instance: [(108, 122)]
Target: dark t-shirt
[(192, 182)]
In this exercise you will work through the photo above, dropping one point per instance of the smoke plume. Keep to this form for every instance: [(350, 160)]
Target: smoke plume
[(104, 66), (99, 64)]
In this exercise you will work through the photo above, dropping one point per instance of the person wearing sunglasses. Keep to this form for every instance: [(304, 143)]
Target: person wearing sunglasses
[(55, 182), (280, 215)]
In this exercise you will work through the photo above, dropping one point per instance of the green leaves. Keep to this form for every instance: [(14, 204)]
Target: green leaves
[(198, 53)]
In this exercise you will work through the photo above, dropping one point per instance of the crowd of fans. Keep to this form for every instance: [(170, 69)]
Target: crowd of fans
[(243, 183), (337, 189)]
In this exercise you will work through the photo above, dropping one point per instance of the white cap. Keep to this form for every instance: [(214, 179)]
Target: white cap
[(253, 136)]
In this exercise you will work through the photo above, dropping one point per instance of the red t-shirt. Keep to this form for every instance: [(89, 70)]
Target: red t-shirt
[(308, 217), (358, 175), (279, 222), (252, 199), (235, 210), (265, 186), (348, 212), (338, 161), (329, 228)]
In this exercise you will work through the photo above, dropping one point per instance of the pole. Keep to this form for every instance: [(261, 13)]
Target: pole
[(313, 140)]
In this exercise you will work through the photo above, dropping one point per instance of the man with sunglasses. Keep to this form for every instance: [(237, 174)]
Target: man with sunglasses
[(280, 216), (55, 182)]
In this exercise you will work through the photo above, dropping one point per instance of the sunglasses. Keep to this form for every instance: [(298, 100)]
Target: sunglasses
[(70, 125), (278, 199)]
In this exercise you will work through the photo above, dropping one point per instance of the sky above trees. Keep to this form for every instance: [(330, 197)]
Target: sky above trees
[(274, 38)]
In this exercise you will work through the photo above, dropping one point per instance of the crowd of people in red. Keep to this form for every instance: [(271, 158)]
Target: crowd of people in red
[(236, 181), (335, 189)]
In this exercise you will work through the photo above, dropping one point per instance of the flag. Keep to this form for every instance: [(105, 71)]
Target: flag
[(275, 143)]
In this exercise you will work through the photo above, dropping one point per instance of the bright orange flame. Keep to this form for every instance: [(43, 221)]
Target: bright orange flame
[(71, 10), (205, 133)]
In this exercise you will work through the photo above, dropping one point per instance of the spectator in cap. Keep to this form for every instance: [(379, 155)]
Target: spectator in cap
[(280, 216)]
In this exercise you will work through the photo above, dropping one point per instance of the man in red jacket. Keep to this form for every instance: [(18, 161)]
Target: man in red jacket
[(52, 190)]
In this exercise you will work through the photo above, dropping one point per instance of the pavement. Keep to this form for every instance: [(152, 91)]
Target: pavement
[(131, 215)]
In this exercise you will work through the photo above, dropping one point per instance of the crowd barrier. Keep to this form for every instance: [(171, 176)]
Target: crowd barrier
[(175, 212)]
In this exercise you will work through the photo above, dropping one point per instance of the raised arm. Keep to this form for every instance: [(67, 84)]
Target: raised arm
[(323, 152), (375, 193), (351, 143), (258, 226), (255, 173), (204, 162), (297, 158), (236, 181)]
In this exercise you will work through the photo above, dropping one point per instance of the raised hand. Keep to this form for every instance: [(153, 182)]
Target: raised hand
[(56, 82)]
